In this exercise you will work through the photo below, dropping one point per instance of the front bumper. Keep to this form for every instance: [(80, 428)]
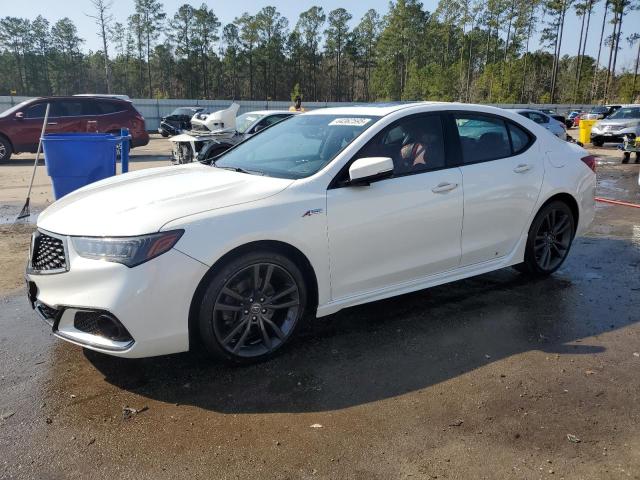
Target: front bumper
[(613, 136), (151, 301)]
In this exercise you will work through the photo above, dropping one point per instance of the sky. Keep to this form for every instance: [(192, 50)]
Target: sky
[(227, 10)]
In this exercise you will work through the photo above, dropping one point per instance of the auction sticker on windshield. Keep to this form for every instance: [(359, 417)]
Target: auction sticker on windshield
[(351, 122)]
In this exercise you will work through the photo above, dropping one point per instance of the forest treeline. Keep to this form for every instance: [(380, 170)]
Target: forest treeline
[(510, 51)]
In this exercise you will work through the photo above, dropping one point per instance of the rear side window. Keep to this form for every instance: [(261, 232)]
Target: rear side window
[(111, 107), (520, 139), (67, 108), (482, 137), (538, 117), (101, 107)]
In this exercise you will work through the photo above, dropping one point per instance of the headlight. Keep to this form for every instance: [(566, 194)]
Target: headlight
[(129, 251)]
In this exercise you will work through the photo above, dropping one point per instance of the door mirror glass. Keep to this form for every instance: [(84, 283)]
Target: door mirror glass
[(366, 170)]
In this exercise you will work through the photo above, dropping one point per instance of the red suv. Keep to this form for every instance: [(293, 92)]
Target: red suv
[(20, 126)]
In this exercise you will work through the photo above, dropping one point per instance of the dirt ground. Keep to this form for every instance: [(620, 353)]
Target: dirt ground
[(487, 378)]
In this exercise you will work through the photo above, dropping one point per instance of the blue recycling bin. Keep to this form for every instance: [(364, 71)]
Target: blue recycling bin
[(74, 160)]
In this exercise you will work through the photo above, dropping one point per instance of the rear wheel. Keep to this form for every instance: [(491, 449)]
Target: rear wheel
[(5, 150), (597, 143), (252, 307), (549, 240)]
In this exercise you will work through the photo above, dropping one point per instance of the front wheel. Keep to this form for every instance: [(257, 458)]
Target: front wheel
[(549, 240), (597, 143), (252, 307)]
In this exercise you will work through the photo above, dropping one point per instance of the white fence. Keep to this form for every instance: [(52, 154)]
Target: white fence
[(154, 110)]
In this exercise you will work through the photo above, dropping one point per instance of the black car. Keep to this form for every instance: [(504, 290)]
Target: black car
[(178, 120)]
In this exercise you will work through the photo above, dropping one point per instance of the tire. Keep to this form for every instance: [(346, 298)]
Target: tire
[(164, 134), (597, 143), (5, 150), (237, 320), (549, 240)]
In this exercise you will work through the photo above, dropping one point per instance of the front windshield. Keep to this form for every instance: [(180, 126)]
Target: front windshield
[(297, 148), (245, 120), (14, 109), (626, 112)]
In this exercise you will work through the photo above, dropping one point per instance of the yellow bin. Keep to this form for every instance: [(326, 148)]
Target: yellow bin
[(584, 135)]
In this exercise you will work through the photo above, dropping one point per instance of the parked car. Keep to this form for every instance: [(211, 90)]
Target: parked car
[(571, 119), (247, 125), (177, 121), (555, 115), (205, 145), (554, 126), (20, 126), (328, 209), (601, 111), (624, 121)]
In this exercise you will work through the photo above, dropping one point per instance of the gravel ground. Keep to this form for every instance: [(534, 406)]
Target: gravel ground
[(491, 377)]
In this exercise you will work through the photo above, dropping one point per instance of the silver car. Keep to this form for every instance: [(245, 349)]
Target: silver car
[(544, 120), (623, 122)]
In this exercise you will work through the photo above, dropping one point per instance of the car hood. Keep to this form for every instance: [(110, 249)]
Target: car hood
[(142, 202)]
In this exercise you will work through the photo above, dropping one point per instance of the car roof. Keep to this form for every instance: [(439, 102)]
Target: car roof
[(79, 97), (269, 112), (373, 109), (103, 95), (527, 110)]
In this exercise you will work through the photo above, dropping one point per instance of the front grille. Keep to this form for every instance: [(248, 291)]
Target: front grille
[(48, 253)]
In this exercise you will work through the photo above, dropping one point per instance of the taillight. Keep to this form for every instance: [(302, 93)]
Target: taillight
[(590, 161)]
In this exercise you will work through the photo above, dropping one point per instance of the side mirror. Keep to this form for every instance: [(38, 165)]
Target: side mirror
[(19, 115), (366, 170)]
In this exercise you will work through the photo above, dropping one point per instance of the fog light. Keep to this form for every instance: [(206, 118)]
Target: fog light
[(102, 324)]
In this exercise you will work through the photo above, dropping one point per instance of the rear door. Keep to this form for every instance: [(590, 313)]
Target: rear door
[(502, 172)]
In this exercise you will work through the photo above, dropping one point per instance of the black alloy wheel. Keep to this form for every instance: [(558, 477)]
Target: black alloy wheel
[(550, 238), (252, 308)]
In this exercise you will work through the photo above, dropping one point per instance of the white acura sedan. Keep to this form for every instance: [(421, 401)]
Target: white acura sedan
[(320, 212)]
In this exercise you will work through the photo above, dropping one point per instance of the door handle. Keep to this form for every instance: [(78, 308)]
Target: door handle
[(523, 167), (52, 123), (444, 187)]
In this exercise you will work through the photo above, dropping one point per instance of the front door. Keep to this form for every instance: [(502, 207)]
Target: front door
[(402, 228)]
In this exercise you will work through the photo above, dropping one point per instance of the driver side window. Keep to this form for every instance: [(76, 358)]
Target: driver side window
[(415, 144)]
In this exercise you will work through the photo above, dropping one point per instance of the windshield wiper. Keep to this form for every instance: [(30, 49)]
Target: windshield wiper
[(240, 170)]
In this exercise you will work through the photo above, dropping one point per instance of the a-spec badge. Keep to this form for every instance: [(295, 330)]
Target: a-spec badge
[(315, 211)]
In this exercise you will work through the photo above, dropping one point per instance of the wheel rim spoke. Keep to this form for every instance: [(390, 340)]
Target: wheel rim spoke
[(283, 293), (275, 328), (243, 338), (231, 293), (235, 331), (267, 277), (265, 335), (292, 303), (256, 277), (561, 226), (228, 308)]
